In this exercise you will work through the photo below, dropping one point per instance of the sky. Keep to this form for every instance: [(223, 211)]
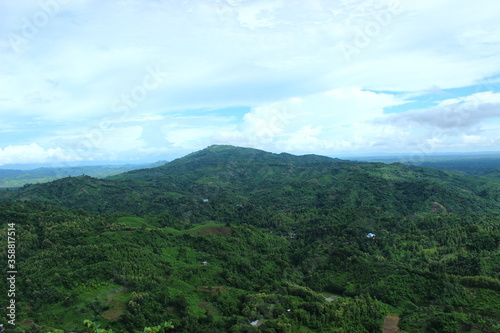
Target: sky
[(88, 81)]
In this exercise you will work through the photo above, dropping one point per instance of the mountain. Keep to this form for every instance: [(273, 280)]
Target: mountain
[(481, 166), (231, 239), (12, 178), (466, 163), (226, 174)]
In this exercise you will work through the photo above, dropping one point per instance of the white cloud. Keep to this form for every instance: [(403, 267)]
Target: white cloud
[(33, 153), (473, 100), (353, 120), (472, 139), (275, 56), (323, 122)]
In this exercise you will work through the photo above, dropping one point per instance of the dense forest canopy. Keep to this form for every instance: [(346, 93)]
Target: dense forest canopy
[(232, 239)]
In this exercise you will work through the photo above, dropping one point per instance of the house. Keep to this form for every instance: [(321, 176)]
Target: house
[(205, 263), (370, 235), (256, 323), (205, 200)]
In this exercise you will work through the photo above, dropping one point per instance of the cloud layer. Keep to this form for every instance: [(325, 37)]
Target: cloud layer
[(130, 79)]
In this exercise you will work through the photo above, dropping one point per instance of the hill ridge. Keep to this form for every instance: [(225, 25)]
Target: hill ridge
[(246, 175), (230, 236)]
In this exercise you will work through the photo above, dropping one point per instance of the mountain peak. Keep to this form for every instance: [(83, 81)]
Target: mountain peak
[(221, 154), (229, 148), (226, 151)]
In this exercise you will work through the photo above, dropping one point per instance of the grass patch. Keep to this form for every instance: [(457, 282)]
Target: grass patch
[(175, 194), (93, 298), (171, 230), (135, 222), (216, 229), (330, 296), (212, 228)]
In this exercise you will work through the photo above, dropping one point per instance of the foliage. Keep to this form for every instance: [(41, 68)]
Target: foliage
[(280, 246), (10, 178)]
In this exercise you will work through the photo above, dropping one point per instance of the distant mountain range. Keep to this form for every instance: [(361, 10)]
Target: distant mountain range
[(11, 178), (481, 164), (250, 176), (468, 164)]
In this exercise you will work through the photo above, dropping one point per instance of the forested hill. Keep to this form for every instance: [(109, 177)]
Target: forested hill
[(232, 239), (228, 176), (12, 178)]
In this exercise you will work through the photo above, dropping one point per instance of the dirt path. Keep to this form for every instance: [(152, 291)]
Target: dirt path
[(390, 324), (116, 307), (116, 310)]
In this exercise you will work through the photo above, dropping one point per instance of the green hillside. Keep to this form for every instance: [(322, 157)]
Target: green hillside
[(228, 176), (481, 166), (466, 164), (10, 178), (232, 239)]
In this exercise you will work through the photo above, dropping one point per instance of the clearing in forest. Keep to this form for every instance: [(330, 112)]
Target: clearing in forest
[(214, 289), (115, 299), (390, 324), (211, 229)]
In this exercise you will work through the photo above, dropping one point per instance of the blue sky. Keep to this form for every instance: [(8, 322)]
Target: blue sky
[(137, 81)]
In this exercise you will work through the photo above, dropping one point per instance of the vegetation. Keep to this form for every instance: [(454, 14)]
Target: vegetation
[(279, 246), (479, 165), (10, 178)]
